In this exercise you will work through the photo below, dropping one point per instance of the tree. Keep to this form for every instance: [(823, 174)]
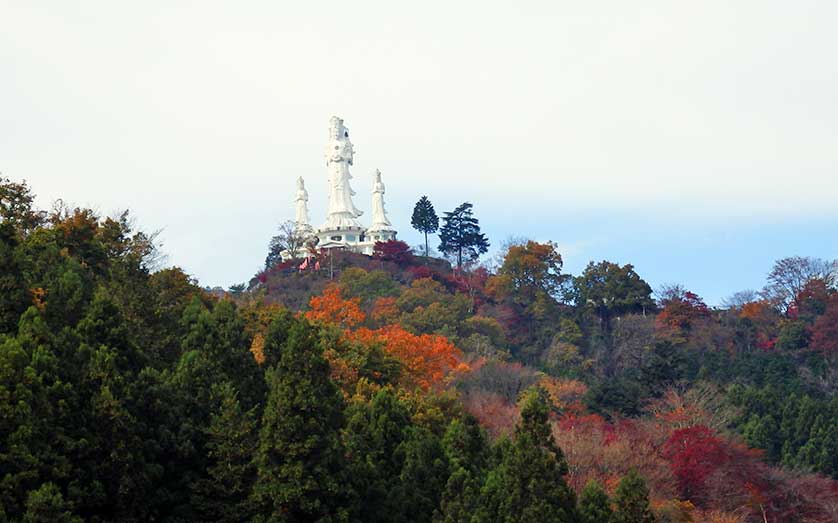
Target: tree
[(17, 206), (331, 308), (14, 296), (532, 272), (631, 501), (593, 504), (427, 359), (610, 290), (790, 276), (460, 235), (47, 505), (694, 453), (528, 485), (291, 239), (393, 250), (424, 219), (300, 464), (224, 494), (374, 431), (825, 329)]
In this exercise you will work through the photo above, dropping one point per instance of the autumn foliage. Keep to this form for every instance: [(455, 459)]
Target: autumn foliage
[(332, 308), (428, 359)]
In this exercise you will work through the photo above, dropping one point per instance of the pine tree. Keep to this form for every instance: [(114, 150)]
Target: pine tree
[(593, 504), (460, 235), (47, 505), (423, 476), (374, 432), (300, 469), (425, 219), (528, 486), (224, 494), (14, 296), (466, 448), (631, 500)]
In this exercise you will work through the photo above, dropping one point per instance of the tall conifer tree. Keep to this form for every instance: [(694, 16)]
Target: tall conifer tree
[(460, 235), (301, 474), (631, 500), (424, 219)]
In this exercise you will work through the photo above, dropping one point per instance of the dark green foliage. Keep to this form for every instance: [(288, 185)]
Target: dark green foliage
[(631, 500), (528, 485), (424, 219), (594, 506), (224, 493), (374, 432), (797, 429), (611, 290), (793, 336), (14, 296), (17, 206), (423, 476), (300, 455), (460, 235), (47, 505)]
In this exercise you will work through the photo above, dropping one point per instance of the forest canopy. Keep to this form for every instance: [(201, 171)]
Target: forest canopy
[(397, 388)]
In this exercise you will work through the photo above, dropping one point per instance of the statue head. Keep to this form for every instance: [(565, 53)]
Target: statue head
[(337, 131), (377, 176), (301, 184)]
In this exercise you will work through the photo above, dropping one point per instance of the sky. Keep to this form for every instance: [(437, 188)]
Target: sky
[(696, 140)]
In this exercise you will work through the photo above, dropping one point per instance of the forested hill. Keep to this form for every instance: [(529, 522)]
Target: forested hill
[(399, 389)]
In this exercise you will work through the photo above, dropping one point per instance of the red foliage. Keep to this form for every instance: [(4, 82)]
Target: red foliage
[(494, 413), (825, 329), (393, 250), (694, 453), (420, 271), (679, 314)]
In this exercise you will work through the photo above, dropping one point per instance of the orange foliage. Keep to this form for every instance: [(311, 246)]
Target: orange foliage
[(39, 296), (754, 310), (385, 310), (565, 394), (428, 359), (332, 308), (257, 348)]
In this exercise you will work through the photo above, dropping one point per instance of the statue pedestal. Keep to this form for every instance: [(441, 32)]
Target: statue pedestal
[(356, 239)]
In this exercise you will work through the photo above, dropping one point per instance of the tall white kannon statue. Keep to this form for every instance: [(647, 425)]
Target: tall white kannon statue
[(302, 218), (380, 222), (339, 155)]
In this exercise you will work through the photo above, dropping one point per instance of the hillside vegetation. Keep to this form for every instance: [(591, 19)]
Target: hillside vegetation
[(399, 389)]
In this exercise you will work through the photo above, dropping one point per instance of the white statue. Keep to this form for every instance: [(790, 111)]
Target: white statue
[(379, 214), (339, 155), (302, 218)]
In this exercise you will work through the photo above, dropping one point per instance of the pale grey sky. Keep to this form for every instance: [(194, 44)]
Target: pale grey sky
[(606, 126)]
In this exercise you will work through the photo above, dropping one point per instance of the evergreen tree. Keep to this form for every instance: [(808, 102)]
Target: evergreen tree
[(13, 292), (631, 500), (300, 469), (47, 505), (423, 476), (223, 495), (593, 504), (424, 219), (374, 432), (528, 485), (460, 235), (466, 448)]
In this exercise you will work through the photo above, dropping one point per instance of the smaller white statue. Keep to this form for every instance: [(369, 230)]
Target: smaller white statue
[(302, 218), (380, 222)]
